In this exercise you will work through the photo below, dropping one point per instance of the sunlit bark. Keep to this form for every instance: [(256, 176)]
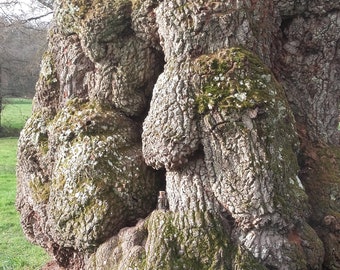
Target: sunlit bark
[(224, 113)]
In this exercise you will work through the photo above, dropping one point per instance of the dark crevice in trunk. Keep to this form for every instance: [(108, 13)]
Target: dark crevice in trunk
[(285, 24), (161, 63), (161, 176)]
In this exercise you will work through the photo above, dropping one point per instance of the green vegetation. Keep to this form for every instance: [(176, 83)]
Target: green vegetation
[(233, 79), (193, 240), (14, 115), (15, 251)]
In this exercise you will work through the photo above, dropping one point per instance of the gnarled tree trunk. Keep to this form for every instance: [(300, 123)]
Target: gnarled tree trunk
[(231, 107)]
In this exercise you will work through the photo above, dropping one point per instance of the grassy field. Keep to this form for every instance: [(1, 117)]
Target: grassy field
[(15, 251), (16, 112)]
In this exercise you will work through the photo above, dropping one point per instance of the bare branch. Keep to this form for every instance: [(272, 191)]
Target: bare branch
[(47, 3), (37, 17)]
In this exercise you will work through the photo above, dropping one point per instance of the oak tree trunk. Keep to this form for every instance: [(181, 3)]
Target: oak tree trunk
[(186, 135)]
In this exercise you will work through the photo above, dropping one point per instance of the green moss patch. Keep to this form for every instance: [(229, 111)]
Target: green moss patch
[(101, 17), (244, 260), (40, 191), (232, 79), (99, 181), (192, 240), (322, 181)]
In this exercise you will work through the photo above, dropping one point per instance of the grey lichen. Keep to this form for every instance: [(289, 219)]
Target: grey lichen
[(233, 79), (211, 116), (190, 240), (244, 260), (48, 71), (100, 182), (169, 240)]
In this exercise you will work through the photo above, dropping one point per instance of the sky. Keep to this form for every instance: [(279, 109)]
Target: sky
[(24, 9)]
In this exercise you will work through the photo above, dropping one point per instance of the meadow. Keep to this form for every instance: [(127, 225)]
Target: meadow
[(15, 113), (15, 251)]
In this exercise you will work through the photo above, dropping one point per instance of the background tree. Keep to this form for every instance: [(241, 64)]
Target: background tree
[(21, 49), (230, 107), (22, 42)]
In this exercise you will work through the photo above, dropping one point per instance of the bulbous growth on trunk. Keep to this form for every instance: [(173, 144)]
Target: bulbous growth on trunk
[(185, 135)]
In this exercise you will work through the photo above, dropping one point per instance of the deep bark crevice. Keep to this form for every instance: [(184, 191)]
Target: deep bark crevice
[(284, 26)]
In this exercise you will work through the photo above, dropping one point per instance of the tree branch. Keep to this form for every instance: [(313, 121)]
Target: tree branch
[(47, 3), (37, 17)]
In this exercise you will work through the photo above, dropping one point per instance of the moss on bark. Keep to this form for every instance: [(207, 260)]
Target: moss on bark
[(192, 240), (233, 79)]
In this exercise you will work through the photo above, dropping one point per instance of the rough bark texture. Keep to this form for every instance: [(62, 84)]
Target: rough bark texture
[(229, 106)]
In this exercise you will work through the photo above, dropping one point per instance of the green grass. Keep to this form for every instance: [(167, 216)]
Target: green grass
[(15, 113), (15, 251)]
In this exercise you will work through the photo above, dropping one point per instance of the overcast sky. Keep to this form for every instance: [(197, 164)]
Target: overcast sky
[(24, 9)]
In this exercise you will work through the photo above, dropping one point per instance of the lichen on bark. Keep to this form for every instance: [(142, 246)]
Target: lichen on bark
[(232, 80), (220, 105), (100, 182)]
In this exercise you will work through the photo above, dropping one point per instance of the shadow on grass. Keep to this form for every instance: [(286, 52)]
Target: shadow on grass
[(15, 112), (9, 132)]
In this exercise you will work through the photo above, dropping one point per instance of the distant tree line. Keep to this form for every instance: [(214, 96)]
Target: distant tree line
[(23, 33), (21, 47)]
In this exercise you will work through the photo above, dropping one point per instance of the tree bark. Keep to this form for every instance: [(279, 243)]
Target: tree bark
[(225, 113)]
